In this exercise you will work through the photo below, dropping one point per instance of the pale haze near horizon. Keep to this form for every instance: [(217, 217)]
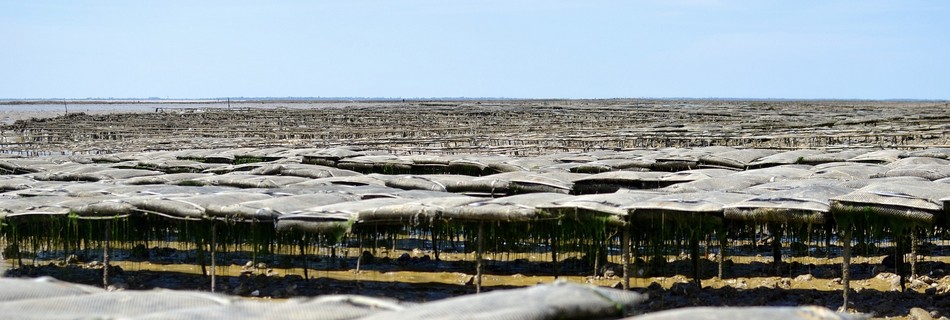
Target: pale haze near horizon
[(512, 49)]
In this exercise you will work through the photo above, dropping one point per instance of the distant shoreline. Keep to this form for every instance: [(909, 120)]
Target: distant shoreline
[(25, 109), (418, 100)]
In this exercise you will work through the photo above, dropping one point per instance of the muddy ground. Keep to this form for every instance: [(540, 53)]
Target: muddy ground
[(516, 127), (412, 275)]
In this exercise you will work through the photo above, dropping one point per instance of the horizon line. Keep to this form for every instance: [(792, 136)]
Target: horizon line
[(311, 98)]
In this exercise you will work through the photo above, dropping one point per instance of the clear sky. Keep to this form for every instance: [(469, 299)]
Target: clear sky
[(863, 49)]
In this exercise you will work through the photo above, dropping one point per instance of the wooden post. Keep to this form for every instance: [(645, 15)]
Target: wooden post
[(105, 255), (721, 258), (899, 258), (845, 268), (303, 255), (626, 257), (214, 248), (808, 244), (776, 231), (435, 241), (913, 252), (16, 244), (359, 257), (694, 252), (478, 257), (200, 242), (828, 234), (554, 253), (333, 260)]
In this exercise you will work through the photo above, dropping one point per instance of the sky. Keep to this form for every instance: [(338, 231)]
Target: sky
[(175, 49)]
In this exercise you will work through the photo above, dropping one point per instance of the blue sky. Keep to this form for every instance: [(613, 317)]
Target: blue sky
[(435, 48)]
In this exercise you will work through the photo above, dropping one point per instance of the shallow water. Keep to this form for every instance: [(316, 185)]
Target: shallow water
[(94, 107)]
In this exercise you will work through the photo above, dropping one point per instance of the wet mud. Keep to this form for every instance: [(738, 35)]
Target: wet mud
[(412, 275)]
